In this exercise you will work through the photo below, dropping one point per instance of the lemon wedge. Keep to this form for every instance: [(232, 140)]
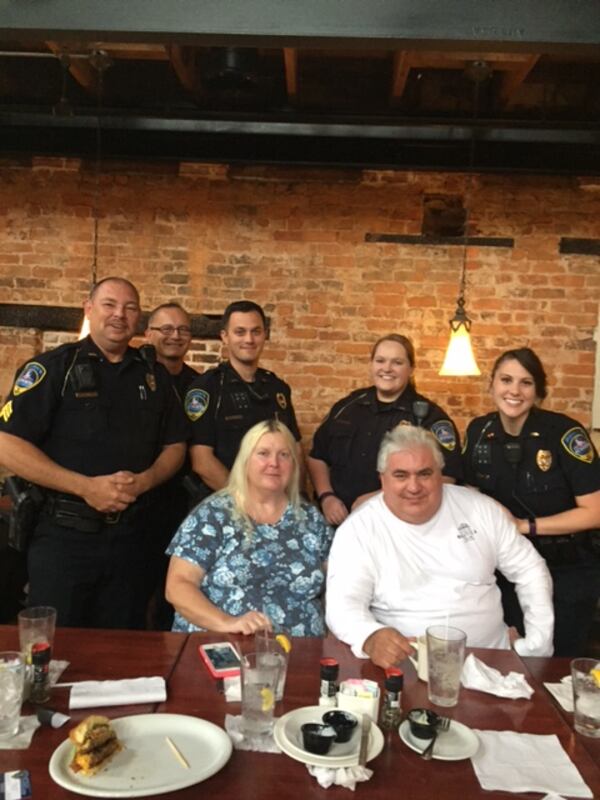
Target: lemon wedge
[(268, 699), (595, 673), (283, 641)]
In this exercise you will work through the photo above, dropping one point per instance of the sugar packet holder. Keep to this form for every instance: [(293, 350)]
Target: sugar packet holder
[(359, 696)]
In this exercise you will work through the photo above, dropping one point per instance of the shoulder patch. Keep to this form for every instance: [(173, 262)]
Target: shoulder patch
[(577, 444), (6, 412), (195, 403), (31, 375), (444, 433)]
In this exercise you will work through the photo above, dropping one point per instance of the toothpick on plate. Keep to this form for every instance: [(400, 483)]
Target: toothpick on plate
[(177, 753)]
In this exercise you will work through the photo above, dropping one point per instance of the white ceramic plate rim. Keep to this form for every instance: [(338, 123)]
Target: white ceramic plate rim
[(315, 714), (192, 734), (468, 749)]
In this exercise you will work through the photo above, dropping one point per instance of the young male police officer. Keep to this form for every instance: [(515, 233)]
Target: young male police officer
[(224, 403), (98, 426)]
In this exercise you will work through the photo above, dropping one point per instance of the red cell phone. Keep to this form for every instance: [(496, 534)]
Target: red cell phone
[(221, 659)]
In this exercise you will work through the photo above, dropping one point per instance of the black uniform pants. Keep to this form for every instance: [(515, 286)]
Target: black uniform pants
[(94, 580)]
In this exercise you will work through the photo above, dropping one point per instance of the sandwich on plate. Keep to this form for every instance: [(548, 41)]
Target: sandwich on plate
[(95, 742)]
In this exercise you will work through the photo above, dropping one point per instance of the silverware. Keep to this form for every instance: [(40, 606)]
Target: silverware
[(365, 730), (443, 725)]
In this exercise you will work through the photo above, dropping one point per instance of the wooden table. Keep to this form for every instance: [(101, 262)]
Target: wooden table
[(247, 776)]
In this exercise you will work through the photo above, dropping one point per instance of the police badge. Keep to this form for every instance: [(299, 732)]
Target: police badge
[(281, 400), (151, 381), (543, 458)]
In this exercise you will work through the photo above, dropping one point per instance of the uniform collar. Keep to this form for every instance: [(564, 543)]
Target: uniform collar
[(531, 426), (89, 348), (234, 377), (402, 403)]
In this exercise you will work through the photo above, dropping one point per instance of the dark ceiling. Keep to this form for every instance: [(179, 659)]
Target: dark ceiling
[(419, 85)]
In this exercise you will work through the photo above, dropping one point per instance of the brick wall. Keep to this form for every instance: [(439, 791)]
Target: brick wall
[(293, 240)]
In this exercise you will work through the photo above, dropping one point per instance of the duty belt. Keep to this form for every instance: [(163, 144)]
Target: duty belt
[(72, 513), (566, 550)]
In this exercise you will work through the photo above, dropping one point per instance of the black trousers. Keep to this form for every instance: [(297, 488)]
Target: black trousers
[(94, 580)]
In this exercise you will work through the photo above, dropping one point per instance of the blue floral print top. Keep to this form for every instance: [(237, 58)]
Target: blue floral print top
[(275, 568)]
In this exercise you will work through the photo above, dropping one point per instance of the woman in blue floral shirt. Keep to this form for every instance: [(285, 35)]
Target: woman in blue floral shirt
[(252, 555)]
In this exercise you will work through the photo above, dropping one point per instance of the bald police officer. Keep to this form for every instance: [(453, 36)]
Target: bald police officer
[(97, 425), (225, 402)]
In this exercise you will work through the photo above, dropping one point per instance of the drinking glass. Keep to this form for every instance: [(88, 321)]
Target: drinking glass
[(259, 685), (445, 656), (270, 653), (585, 673), (12, 675), (36, 626)]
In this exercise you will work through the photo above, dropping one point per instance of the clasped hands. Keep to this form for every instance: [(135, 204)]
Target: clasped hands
[(115, 492)]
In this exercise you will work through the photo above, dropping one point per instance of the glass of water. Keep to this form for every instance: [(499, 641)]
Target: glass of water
[(585, 673), (274, 649), (445, 656), (259, 686), (12, 675)]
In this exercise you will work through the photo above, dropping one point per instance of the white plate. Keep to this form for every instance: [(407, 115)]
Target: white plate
[(456, 743), (146, 765), (288, 735)]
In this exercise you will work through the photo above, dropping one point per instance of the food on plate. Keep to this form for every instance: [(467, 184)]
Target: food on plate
[(95, 742)]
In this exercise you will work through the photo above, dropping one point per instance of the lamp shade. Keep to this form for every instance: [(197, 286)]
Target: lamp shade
[(459, 358), (85, 328)]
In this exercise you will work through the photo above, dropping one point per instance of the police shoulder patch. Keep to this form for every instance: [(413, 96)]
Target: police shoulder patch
[(444, 433), (195, 403), (577, 444), (31, 376)]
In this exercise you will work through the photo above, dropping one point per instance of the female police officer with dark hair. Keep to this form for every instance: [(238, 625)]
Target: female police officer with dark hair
[(343, 459), (544, 469)]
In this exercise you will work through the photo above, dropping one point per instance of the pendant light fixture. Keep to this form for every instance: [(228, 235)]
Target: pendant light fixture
[(460, 359)]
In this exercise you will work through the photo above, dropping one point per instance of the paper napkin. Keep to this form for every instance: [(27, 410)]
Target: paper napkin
[(480, 676), (88, 694), (507, 761), (244, 741), (347, 777), (22, 739), (562, 692)]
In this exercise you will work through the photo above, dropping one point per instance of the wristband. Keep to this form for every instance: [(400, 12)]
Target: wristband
[(532, 527), (325, 495)]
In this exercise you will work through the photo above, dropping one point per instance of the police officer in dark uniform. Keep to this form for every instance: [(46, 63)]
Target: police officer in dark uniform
[(169, 330), (544, 469), (225, 402), (98, 426), (343, 459)]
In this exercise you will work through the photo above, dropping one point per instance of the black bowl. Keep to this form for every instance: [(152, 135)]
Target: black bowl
[(423, 722), (317, 738), (342, 722)]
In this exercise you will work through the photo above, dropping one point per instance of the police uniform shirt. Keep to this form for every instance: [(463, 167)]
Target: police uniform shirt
[(183, 380), (553, 462), (222, 408), (91, 415), (349, 438)]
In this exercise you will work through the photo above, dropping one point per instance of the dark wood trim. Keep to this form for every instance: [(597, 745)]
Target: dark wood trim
[(579, 247), (62, 318), (431, 241)]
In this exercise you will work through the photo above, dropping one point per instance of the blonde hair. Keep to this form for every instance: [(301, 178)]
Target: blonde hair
[(237, 485)]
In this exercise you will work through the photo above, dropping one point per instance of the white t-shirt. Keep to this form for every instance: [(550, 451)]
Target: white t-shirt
[(383, 572)]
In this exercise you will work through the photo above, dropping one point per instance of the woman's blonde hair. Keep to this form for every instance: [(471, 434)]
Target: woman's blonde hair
[(237, 485)]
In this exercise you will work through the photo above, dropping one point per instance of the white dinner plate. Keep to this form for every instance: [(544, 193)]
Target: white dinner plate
[(456, 743), (288, 735), (146, 765)]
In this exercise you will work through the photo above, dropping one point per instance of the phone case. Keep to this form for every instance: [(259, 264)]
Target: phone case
[(216, 673)]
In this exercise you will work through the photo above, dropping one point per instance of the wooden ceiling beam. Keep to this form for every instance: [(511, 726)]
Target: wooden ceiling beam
[(80, 68), (402, 66), (184, 64), (290, 60), (512, 80)]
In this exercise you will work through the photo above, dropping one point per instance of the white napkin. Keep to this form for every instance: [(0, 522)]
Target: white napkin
[(232, 688), (22, 739), (241, 740), (347, 777), (118, 693), (562, 692), (480, 676), (507, 761)]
